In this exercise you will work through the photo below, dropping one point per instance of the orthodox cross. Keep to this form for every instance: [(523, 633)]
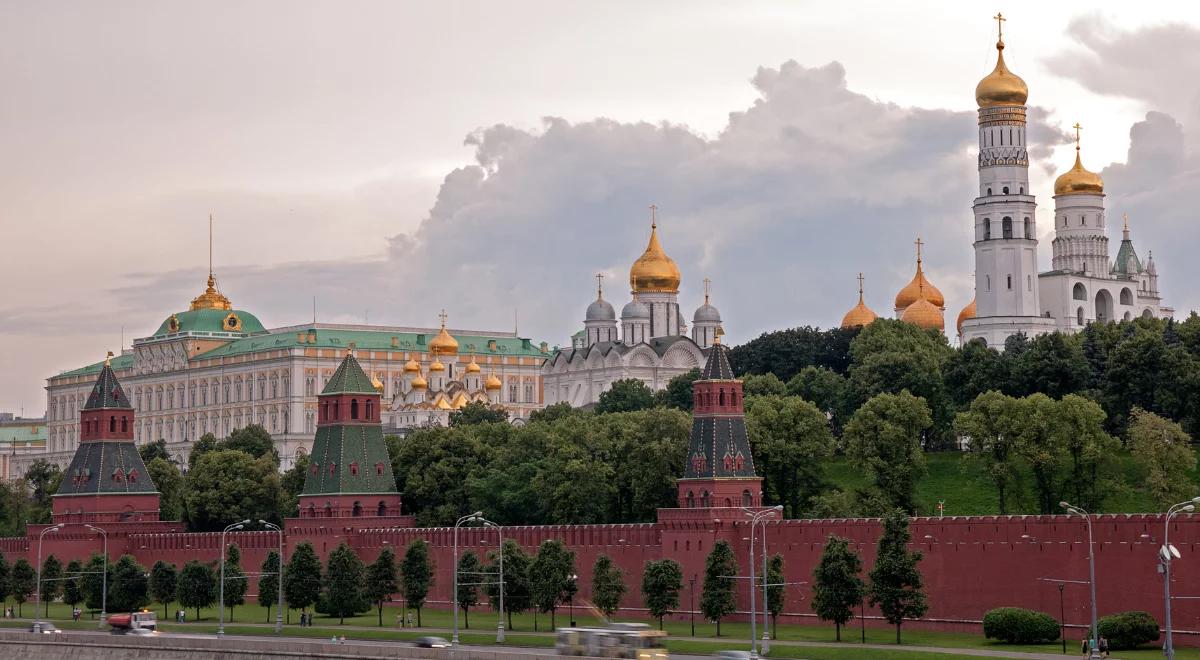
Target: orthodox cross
[(442, 316), (860, 286), (707, 282), (1077, 128), (599, 285), (999, 18), (653, 215), (919, 243)]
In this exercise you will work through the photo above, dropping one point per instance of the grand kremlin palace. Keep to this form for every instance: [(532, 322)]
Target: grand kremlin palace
[(213, 369)]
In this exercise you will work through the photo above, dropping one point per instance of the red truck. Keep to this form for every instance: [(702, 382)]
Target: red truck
[(135, 623)]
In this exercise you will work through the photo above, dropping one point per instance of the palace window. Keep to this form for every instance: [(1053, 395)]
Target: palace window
[(1006, 227)]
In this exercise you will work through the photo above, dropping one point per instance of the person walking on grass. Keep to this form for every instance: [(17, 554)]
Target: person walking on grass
[(1104, 646)]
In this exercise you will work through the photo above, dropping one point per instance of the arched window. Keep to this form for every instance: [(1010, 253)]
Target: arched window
[(691, 500), (335, 409), (124, 424), (354, 469), (379, 469), (1005, 190), (1083, 221), (356, 510), (1010, 282), (733, 397), (133, 475), (1028, 228), (312, 511), (704, 500), (1079, 316), (370, 412), (989, 191), (721, 397), (381, 510), (328, 510), (1079, 292), (353, 408), (112, 424), (314, 469), (987, 229), (1006, 227), (333, 468), (987, 282), (746, 500), (1126, 297)]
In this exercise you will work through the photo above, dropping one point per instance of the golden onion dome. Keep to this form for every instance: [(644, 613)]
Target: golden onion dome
[(443, 343), (924, 314), (419, 383), (654, 270), (377, 384), (492, 383), (1001, 86), (211, 298), (412, 367), (967, 312), (860, 314), (919, 287), (437, 366), (472, 366), (1078, 180)]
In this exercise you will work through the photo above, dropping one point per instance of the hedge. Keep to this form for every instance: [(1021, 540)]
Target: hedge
[(1014, 625), (1128, 630)]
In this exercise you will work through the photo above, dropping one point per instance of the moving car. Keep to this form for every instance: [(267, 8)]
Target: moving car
[(431, 643)]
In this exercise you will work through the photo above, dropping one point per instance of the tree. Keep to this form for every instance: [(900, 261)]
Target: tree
[(625, 395), (169, 482), (72, 587), (717, 595), (163, 582), (43, 478), (478, 412), (15, 507), (153, 450), (1041, 447), (826, 389), (291, 484), (790, 440), (517, 596), (554, 412), (1078, 423), (197, 586), (253, 440), (470, 575), (550, 577), (678, 393), (884, 437), (775, 584), (382, 580), (433, 467), (5, 580), (994, 425), (608, 585), (268, 583), (302, 579), (1164, 455), (417, 575), (22, 582), (767, 384), (837, 587), (661, 582), (52, 572), (343, 583), (236, 583), (1052, 364), (786, 352), (224, 485), (129, 589), (974, 369), (896, 583), (892, 356), (207, 443), (95, 575)]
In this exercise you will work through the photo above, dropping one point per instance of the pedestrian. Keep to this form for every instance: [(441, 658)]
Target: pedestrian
[(1104, 646), (1085, 647), (302, 619)]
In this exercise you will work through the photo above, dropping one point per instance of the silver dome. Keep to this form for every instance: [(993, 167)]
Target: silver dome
[(706, 313), (600, 310), (635, 310)]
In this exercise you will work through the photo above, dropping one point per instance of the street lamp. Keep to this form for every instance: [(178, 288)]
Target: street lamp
[(468, 518), (221, 597), (37, 623), (574, 587), (755, 518), (104, 576), (692, 602), (279, 605), (766, 638), (500, 623), (1095, 643), (1165, 554)]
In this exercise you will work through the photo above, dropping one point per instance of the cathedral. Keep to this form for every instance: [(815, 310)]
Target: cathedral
[(652, 346), (1011, 296)]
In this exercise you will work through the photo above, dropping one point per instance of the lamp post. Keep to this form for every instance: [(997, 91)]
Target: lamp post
[(1095, 644), (103, 576), (755, 518), (279, 605), (692, 602), (221, 597), (766, 638), (500, 623), (1165, 554), (574, 587), (37, 604), (468, 518)]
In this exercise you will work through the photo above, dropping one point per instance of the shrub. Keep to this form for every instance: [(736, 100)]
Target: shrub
[(1128, 630), (1014, 625)]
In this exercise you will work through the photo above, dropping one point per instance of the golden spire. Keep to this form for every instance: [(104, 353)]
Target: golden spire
[(211, 298), (1078, 179), (654, 270), (1001, 86), (860, 314), (108, 359)]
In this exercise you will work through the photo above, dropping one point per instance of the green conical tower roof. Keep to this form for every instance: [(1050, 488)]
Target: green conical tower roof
[(107, 392), (349, 379)]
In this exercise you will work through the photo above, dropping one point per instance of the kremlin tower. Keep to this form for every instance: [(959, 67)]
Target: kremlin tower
[(106, 480)]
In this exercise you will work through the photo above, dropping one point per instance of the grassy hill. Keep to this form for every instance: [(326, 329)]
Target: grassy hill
[(966, 492)]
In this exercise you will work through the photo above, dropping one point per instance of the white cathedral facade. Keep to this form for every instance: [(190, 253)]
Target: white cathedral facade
[(1011, 296), (652, 346)]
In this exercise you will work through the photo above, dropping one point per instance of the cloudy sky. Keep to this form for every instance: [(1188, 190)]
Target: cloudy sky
[(393, 159)]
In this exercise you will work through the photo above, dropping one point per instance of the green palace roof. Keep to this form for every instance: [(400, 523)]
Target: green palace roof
[(371, 340), (212, 321), (118, 363), (22, 432)]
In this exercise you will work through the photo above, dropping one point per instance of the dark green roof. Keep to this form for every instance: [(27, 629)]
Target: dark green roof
[(717, 366), (118, 364), (106, 468), (107, 392), (371, 340), (210, 321), (1127, 262), (349, 379), (359, 460)]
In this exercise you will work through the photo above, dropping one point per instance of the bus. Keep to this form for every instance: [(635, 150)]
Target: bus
[(636, 641)]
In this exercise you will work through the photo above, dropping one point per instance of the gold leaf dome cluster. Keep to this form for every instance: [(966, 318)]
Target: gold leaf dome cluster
[(860, 314), (1001, 86), (654, 270), (967, 312)]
